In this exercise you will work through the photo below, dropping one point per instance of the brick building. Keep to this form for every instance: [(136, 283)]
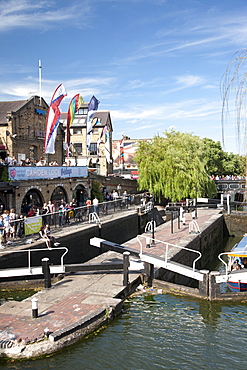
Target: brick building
[(22, 130)]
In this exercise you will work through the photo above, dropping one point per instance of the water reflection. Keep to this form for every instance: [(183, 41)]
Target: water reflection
[(210, 312)]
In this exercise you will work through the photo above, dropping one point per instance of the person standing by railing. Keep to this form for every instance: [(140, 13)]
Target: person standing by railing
[(88, 204), (1, 232), (96, 205)]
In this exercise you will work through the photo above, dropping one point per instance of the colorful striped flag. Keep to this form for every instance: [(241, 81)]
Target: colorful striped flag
[(122, 152), (74, 106), (53, 119)]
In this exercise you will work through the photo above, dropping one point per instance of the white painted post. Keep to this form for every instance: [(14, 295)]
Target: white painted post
[(34, 307), (228, 197)]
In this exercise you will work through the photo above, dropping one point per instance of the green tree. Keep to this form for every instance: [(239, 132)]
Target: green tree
[(222, 163), (233, 164), (97, 191), (214, 156), (174, 166)]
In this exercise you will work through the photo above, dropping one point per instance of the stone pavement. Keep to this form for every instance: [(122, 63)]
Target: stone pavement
[(180, 236), (73, 303)]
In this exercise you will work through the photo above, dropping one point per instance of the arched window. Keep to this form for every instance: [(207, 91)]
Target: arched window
[(58, 196), (32, 198)]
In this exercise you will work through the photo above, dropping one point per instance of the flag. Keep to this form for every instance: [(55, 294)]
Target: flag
[(100, 138), (122, 152), (53, 119), (107, 147), (74, 106), (92, 108)]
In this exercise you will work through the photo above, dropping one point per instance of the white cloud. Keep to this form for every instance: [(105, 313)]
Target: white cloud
[(27, 14)]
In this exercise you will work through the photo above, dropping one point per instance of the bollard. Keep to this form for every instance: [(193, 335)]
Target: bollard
[(126, 265), (34, 308), (172, 223), (193, 215), (46, 272), (148, 241)]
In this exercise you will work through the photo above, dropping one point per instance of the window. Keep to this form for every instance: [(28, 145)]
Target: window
[(78, 148), (93, 149), (33, 153), (82, 111), (77, 131)]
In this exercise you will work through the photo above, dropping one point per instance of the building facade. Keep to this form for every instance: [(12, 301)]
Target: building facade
[(98, 156), (22, 131)]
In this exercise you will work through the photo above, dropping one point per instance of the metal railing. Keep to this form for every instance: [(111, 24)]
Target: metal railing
[(70, 216), (167, 246), (29, 251)]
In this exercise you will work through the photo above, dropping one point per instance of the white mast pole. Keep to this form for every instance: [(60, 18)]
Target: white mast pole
[(40, 78)]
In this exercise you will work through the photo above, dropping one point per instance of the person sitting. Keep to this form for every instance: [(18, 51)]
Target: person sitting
[(51, 239), (44, 237), (244, 262), (236, 265)]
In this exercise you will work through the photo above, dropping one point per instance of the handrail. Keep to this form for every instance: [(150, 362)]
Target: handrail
[(94, 217), (193, 225), (149, 226), (167, 246), (37, 250), (227, 253)]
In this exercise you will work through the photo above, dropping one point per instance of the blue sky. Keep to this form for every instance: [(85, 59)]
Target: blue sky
[(154, 64)]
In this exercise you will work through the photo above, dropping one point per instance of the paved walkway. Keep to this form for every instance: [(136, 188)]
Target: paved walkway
[(180, 236), (74, 302)]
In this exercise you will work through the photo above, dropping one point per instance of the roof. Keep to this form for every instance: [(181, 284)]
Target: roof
[(80, 119), (9, 106), (240, 249), (13, 106)]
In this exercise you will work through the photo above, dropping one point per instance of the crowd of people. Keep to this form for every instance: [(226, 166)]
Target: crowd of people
[(228, 177), (12, 161), (52, 213)]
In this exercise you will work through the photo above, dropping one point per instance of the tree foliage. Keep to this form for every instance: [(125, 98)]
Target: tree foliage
[(220, 162), (174, 166)]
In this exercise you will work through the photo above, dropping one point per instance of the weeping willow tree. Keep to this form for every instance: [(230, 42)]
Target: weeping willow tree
[(234, 84), (174, 166)]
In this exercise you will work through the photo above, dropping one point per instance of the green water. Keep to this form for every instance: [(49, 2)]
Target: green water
[(159, 332)]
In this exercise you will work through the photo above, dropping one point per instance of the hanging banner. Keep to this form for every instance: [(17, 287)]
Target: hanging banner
[(46, 172), (32, 225)]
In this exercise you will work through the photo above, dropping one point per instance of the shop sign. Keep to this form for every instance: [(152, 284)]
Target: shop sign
[(40, 172)]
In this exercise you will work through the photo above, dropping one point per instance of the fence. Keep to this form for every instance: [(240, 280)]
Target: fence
[(65, 217)]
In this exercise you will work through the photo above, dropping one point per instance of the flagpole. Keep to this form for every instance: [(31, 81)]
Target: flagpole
[(40, 79)]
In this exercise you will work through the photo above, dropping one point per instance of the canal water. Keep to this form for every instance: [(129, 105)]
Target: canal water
[(159, 332)]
